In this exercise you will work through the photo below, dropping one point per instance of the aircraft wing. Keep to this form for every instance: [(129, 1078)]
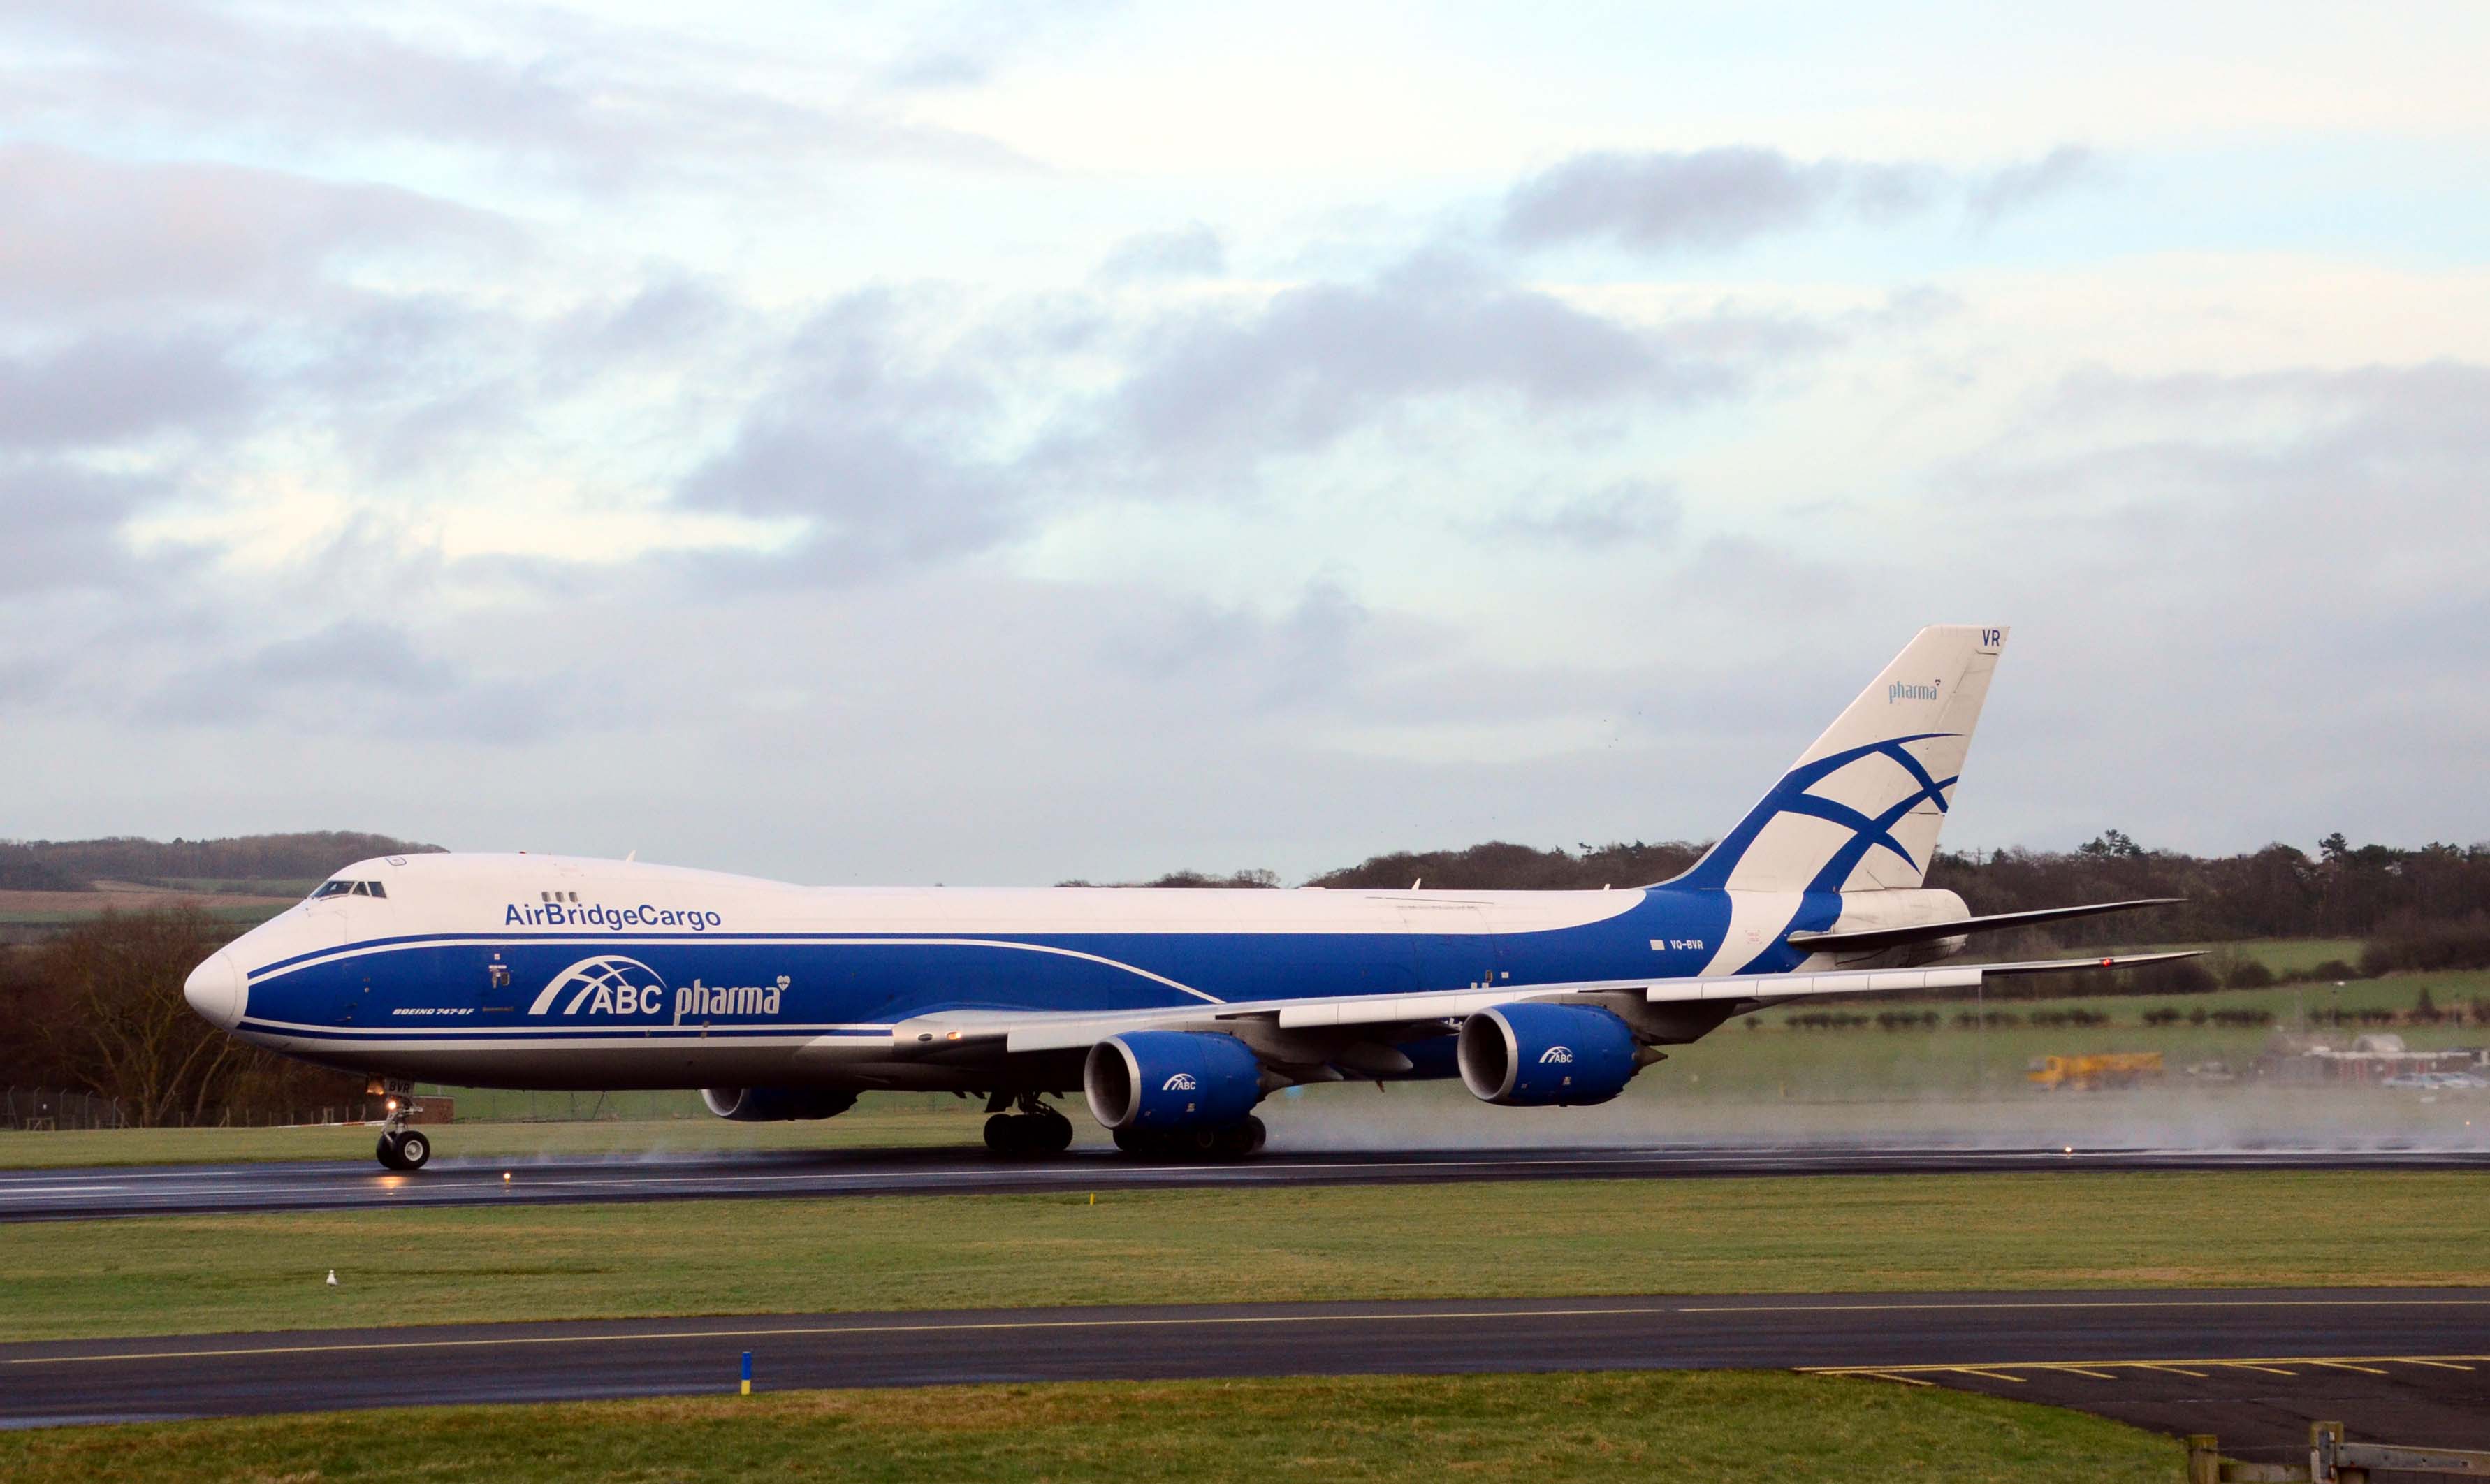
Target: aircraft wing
[(1023, 1031)]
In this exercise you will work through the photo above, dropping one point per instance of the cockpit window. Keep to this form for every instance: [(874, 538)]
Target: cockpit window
[(332, 888), (377, 888)]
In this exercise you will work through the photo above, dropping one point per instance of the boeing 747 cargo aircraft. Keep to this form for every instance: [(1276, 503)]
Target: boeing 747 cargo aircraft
[(1173, 1013)]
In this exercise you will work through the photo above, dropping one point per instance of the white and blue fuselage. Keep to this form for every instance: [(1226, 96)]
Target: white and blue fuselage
[(542, 972)]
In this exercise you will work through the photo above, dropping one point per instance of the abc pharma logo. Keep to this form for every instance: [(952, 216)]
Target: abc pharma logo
[(605, 985)]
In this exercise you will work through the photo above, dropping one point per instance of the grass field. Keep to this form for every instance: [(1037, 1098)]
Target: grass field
[(192, 1274), (1629, 1425)]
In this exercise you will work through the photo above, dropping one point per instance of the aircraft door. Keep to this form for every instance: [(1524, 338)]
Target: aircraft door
[(1452, 945)]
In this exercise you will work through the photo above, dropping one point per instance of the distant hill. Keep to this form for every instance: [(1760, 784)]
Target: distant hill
[(74, 865)]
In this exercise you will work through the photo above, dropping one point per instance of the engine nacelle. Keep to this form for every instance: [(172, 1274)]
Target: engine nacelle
[(776, 1105), (1534, 1055), (1166, 1080)]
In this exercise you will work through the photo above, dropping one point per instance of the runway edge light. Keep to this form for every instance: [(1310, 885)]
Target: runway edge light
[(747, 1372)]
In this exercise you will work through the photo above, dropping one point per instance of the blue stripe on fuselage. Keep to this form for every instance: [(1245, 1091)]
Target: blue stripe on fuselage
[(424, 985)]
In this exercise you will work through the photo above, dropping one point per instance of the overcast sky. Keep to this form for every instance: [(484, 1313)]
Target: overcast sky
[(991, 444)]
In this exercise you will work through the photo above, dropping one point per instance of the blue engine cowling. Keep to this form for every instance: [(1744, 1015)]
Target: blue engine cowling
[(1534, 1055), (776, 1105), (1166, 1080)]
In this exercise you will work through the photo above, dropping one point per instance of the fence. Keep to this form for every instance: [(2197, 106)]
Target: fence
[(45, 1108), (52, 1110)]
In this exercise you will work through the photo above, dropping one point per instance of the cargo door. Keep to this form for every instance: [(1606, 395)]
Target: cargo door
[(1451, 943)]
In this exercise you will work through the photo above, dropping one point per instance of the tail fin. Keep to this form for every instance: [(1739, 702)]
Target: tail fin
[(1861, 809)]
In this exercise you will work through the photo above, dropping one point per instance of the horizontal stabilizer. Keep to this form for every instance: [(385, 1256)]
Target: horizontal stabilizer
[(1869, 940)]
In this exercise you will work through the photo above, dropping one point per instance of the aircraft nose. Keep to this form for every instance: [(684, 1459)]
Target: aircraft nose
[(214, 990)]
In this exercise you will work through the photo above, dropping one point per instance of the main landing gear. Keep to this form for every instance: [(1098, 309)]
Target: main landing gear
[(1035, 1129), (401, 1148), (1236, 1140)]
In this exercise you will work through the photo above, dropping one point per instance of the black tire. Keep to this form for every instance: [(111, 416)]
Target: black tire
[(413, 1151), (1053, 1134), (1005, 1134), (386, 1151), (1132, 1140), (1242, 1140)]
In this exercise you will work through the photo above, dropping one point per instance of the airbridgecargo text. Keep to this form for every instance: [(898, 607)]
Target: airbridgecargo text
[(611, 919)]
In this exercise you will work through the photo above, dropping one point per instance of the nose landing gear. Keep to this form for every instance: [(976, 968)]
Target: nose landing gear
[(401, 1147), (1036, 1129)]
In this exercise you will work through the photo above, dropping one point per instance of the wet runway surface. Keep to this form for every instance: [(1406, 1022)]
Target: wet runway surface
[(2254, 1366), (68, 1194)]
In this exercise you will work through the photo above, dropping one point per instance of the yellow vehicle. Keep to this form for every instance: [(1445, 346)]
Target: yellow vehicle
[(2089, 1073)]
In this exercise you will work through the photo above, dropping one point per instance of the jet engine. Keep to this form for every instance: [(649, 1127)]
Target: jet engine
[(776, 1105), (1163, 1081), (1534, 1055)]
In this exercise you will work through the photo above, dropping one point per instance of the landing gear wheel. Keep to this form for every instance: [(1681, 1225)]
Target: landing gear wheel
[(1051, 1135), (1028, 1133), (1240, 1141), (1233, 1141), (403, 1148)]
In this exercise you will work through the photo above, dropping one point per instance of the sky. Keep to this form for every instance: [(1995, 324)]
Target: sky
[(998, 443)]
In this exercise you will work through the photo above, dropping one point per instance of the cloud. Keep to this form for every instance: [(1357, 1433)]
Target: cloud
[(358, 677), (544, 95), (1188, 252), (1301, 369), (110, 387), (1712, 199), (1641, 511), (88, 234), (63, 526), (875, 439), (2011, 187)]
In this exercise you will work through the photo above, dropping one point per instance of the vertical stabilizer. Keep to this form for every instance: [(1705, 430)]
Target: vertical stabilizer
[(1859, 810)]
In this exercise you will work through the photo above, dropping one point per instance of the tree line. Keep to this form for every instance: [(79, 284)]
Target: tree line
[(98, 1008), (74, 866)]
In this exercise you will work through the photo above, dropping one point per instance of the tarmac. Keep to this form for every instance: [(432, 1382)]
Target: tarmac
[(2254, 1366), (106, 1191)]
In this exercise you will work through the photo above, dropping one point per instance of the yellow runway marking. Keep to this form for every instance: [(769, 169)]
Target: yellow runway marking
[(2154, 1366), (2081, 1371), (1982, 1372), (2346, 1365), (2444, 1365)]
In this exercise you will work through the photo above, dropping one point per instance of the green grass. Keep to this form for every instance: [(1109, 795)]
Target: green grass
[(1611, 1425), (1828, 1234)]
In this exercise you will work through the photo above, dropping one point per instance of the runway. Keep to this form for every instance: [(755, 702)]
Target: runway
[(2254, 1365), (70, 1194)]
